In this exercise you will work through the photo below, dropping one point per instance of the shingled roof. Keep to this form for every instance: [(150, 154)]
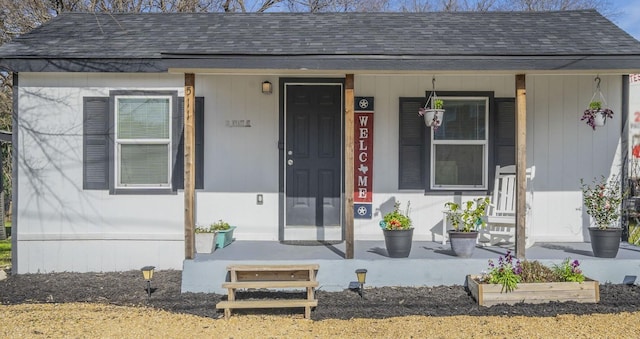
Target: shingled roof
[(325, 41)]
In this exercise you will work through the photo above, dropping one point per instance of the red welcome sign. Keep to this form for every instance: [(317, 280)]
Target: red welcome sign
[(363, 150)]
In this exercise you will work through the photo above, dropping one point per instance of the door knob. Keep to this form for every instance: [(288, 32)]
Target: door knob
[(290, 162)]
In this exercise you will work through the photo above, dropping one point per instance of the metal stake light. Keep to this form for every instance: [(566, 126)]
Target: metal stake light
[(147, 274), (362, 277)]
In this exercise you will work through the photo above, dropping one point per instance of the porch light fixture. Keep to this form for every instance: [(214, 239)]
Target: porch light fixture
[(362, 277), (267, 88), (147, 274)]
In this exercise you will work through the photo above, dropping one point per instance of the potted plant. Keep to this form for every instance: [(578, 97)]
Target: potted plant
[(513, 281), (595, 115), (433, 115), (205, 237), (466, 222), (602, 201), (398, 232), (224, 233)]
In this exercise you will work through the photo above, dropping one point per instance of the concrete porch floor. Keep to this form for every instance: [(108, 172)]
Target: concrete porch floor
[(429, 264)]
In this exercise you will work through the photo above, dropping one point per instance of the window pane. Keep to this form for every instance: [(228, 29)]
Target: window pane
[(463, 120), (144, 164), (143, 118), (459, 165)]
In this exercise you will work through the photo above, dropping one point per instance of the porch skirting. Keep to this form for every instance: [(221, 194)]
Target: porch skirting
[(429, 264)]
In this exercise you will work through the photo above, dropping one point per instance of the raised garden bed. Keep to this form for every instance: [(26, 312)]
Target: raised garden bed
[(534, 293)]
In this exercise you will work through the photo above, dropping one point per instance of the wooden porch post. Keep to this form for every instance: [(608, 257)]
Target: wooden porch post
[(189, 164), (348, 164), (521, 164)]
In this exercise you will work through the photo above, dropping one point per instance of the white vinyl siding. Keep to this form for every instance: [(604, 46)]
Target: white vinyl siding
[(143, 141)]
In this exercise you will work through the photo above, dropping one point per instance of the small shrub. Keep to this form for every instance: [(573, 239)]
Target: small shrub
[(536, 272)]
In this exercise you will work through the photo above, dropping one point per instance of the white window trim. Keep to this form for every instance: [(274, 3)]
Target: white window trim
[(485, 158), (117, 142)]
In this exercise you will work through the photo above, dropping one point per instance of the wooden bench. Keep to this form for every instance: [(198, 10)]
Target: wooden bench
[(270, 276)]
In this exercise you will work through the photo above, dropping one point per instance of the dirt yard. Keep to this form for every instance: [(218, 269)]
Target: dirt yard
[(115, 305)]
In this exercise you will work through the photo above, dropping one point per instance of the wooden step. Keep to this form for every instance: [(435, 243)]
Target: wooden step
[(267, 303), (273, 267), (270, 284)]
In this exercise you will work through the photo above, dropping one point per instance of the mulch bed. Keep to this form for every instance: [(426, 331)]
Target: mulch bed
[(129, 289)]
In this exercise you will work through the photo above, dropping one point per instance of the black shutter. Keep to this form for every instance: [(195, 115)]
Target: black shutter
[(95, 162), (178, 144), (504, 132), (411, 144), (503, 136)]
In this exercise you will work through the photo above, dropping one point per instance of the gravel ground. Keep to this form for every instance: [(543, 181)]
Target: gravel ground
[(47, 304)]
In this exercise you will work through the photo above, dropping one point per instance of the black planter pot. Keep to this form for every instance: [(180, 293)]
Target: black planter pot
[(605, 242), (398, 242), (463, 243)]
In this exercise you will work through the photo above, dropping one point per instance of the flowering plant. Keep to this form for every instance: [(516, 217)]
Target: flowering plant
[(470, 218), (595, 108), (396, 220), (204, 229), (569, 271), (602, 200), (509, 272), (216, 226)]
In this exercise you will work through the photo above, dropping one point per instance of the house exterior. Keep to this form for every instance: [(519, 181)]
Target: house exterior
[(100, 136)]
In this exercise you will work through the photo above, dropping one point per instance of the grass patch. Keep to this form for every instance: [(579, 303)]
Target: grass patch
[(5, 253)]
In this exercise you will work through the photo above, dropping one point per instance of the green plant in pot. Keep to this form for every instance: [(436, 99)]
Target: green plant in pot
[(204, 239), (220, 225), (595, 105), (466, 218), (602, 202), (224, 231), (398, 231)]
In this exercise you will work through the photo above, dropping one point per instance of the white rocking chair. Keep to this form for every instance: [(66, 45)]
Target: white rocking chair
[(501, 214)]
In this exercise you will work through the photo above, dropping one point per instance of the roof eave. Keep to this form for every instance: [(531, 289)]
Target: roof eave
[(622, 64)]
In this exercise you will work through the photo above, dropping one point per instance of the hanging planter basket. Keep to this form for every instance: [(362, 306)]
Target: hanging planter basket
[(432, 117), (598, 112), (433, 111)]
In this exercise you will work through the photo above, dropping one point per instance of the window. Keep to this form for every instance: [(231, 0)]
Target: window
[(477, 134), (143, 141), (459, 147), (133, 142)]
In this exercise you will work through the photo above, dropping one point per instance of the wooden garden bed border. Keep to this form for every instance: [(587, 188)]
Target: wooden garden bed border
[(534, 293)]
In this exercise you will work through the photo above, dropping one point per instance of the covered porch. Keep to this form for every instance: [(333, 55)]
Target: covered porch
[(430, 263)]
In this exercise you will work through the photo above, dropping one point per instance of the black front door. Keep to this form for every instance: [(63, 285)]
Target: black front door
[(312, 154)]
